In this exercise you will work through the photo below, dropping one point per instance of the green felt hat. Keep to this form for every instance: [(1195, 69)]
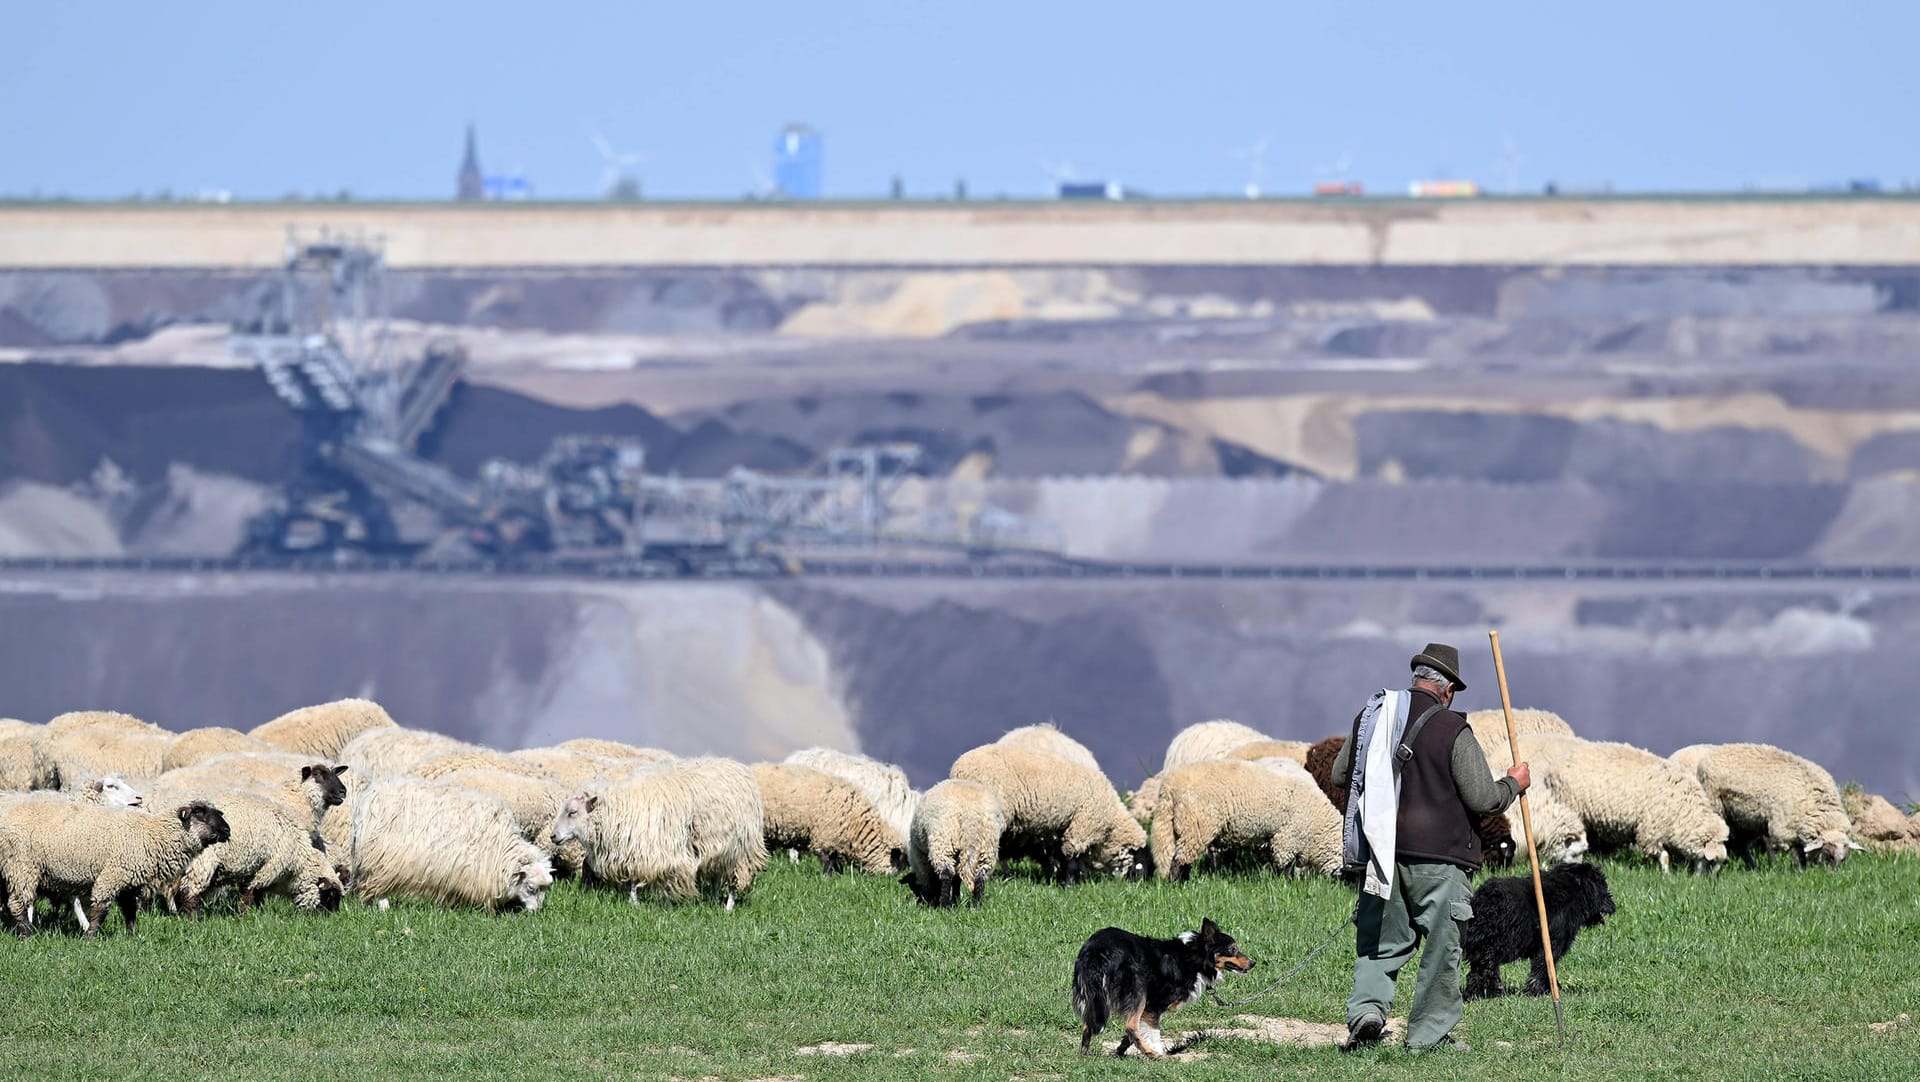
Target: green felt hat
[(1439, 655)]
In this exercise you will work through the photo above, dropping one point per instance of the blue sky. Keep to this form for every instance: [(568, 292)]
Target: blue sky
[(106, 99)]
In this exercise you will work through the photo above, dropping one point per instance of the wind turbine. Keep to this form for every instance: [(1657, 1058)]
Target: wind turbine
[(1339, 169), (1058, 173), (1255, 155), (618, 164)]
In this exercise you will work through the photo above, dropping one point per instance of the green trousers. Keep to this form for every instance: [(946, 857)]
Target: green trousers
[(1429, 901)]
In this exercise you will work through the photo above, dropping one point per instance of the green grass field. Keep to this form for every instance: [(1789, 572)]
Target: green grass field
[(1770, 974)]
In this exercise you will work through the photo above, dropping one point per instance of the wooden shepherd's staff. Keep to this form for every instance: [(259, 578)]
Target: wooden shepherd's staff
[(1533, 856)]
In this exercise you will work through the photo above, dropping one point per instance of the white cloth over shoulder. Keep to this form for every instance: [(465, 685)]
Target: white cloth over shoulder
[(1373, 804)]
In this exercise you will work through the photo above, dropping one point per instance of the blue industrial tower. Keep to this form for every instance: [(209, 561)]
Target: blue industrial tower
[(796, 163)]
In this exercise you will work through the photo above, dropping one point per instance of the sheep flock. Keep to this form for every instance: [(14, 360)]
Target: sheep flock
[(337, 801)]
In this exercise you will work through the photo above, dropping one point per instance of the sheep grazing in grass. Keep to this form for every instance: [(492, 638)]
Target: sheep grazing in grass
[(1628, 796), (323, 730), (1048, 737), (26, 762), (1234, 804), (107, 854), (1144, 799), (813, 811), (614, 749), (886, 785), (1296, 750), (381, 751), (1773, 799), (534, 798), (198, 745), (100, 720), (955, 843), (477, 759), (84, 753), (573, 769), (1558, 833), (1208, 740), (1876, 822), (1490, 729), (679, 827), (268, 850), (1060, 810), (445, 844)]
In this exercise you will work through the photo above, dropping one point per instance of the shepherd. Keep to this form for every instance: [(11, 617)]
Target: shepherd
[(1418, 783)]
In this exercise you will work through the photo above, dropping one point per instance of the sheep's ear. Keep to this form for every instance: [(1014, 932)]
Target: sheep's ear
[(185, 812), (1810, 845), (97, 786), (306, 772), (339, 770), (1855, 847), (592, 801)]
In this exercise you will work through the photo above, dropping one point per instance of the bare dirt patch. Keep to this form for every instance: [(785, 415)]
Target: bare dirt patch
[(1295, 1032), (832, 1048)]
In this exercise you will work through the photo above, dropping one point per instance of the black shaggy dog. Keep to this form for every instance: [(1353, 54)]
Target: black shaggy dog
[(1506, 923), (1139, 979)]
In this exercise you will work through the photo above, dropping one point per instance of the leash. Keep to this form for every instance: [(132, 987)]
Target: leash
[(1277, 981)]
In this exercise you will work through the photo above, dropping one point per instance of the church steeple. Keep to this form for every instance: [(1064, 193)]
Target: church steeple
[(472, 187)]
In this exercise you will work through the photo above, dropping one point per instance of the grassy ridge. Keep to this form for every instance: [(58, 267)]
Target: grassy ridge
[(1772, 973)]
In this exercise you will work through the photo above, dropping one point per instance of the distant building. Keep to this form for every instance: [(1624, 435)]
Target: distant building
[(1092, 189), (796, 163), (473, 186)]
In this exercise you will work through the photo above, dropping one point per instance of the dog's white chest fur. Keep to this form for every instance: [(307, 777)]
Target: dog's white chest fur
[(1200, 985)]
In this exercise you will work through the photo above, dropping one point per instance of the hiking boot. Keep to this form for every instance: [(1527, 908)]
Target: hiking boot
[(1449, 1043), (1363, 1031)]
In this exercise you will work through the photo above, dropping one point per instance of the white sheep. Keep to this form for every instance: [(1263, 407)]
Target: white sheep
[(954, 843), (112, 791), (677, 826), (1883, 827), (446, 844), (1056, 808), (108, 854), (1144, 799), (382, 751), (83, 753), (96, 720), (811, 810), (323, 730), (1207, 740), (1490, 731), (25, 761), (574, 769), (269, 850), (614, 749), (1774, 798), (1291, 750), (305, 786), (533, 796), (884, 783), (477, 759), (1558, 834), (1233, 803), (196, 745), (1632, 797), (1048, 737)]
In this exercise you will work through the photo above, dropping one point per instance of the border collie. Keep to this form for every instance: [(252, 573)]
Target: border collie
[(1137, 979)]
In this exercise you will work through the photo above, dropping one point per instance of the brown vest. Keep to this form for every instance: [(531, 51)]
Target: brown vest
[(1434, 824)]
